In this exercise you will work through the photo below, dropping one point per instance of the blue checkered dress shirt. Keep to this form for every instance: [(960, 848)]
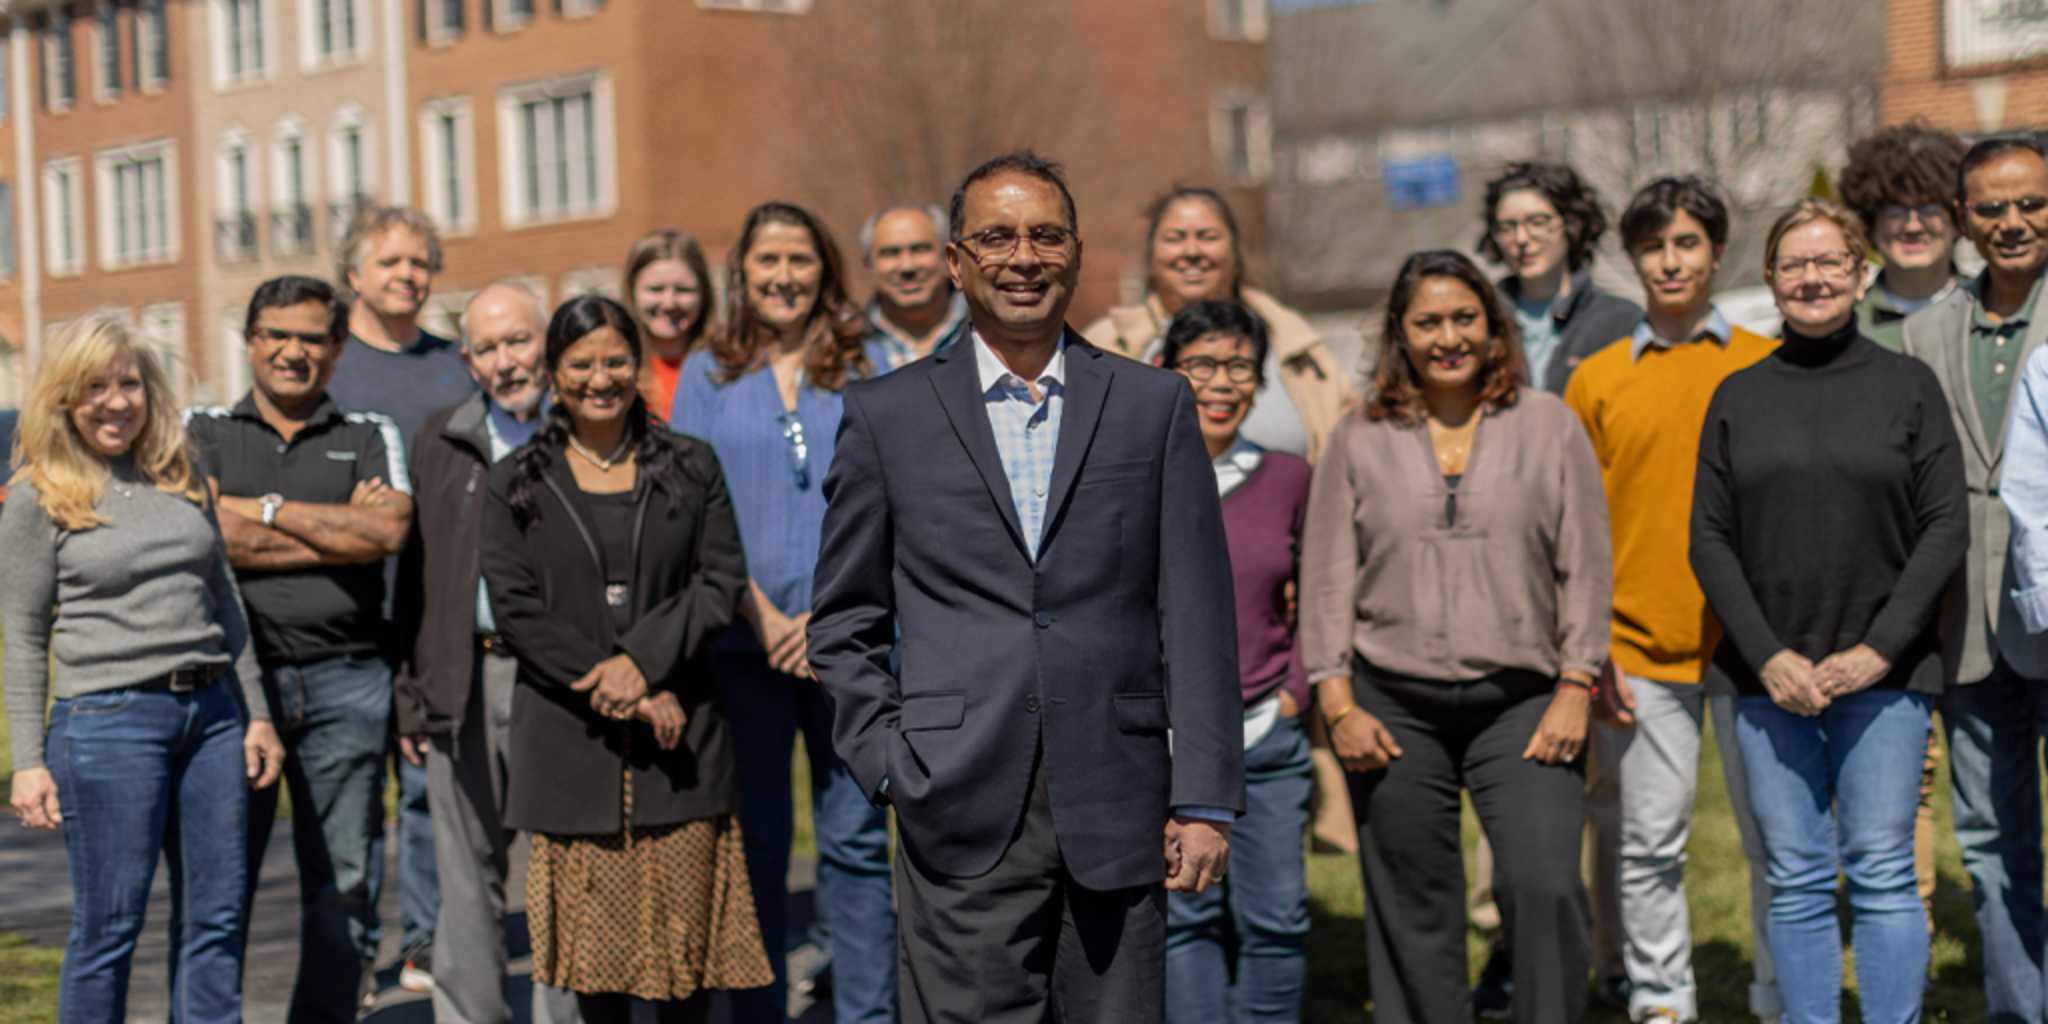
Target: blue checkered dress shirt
[(1027, 433)]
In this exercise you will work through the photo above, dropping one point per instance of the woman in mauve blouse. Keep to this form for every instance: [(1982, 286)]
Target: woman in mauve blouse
[(1455, 584)]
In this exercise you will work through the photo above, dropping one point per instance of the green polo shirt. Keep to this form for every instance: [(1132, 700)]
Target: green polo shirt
[(1995, 355), (1881, 316)]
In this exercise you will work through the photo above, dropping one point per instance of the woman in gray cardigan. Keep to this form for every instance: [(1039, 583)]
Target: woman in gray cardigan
[(118, 580)]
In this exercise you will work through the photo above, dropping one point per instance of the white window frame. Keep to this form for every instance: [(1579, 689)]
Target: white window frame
[(581, 8), (234, 354), (227, 205), (450, 191), (59, 27), (148, 78), (504, 20), (105, 88), (1251, 30), (1258, 148), (344, 195), (439, 31), (109, 218), (11, 359), (64, 209), (292, 131), (161, 328), (512, 175), (758, 6), (263, 29), (358, 49), (10, 240)]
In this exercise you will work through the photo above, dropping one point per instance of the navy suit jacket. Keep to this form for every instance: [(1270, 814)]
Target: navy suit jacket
[(1123, 627)]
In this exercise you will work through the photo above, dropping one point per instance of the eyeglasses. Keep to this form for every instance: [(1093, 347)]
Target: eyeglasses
[(1994, 209), (1537, 223), (991, 244), (799, 451), (1898, 216), (1832, 265), (1203, 368), (279, 336)]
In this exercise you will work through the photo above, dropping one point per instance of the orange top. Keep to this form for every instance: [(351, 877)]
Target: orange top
[(1644, 417), (658, 384)]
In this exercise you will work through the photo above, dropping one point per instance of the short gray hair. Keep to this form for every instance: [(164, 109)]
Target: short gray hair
[(374, 221), (867, 227), (511, 284)]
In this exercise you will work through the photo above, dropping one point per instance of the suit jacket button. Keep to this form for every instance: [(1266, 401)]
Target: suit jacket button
[(1044, 620), (1031, 704)]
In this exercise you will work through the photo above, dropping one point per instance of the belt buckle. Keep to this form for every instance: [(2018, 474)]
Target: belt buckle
[(184, 680)]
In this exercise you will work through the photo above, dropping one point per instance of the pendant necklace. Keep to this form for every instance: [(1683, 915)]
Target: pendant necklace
[(603, 463)]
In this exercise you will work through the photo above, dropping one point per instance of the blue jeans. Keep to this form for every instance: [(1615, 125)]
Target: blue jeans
[(1837, 793), (140, 772), (1264, 896), (1995, 728), (768, 710), (335, 718), (419, 881)]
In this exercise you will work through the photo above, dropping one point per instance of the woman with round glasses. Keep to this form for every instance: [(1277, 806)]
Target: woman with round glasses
[(1221, 348), (1828, 515), (765, 392)]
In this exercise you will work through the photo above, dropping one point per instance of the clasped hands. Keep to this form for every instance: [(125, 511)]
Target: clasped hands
[(1197, 852), (1804, 688), (619, 692)]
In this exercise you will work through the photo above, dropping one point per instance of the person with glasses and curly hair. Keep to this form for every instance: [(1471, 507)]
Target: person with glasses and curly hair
[(766, 394), (121, 605), (1901, 181)]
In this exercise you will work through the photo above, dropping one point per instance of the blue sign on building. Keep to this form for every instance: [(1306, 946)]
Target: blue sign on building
[(1416, 183)]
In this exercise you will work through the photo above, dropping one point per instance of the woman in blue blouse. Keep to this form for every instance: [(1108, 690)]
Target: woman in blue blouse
[(765, 394)]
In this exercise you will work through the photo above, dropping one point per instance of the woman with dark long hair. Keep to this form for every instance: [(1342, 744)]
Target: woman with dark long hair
[(612, 560), (1454, 614), (766, 394)]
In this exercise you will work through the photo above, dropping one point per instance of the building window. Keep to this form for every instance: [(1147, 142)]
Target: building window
[(448, 164), (234, 353), (6, 88), (151, 55), (1238, 20), (10, 376), (7, 239), (348, 160), (291, 214), (332, 33), (235, 230), (241, 38), (556, 150), (1241, 136), (441, 20), (506, 15), (60, 76), (137, 189), (774, 6), (161, 328), (1748, 121), (1647, 134), (107, 33), (580, 8), (64, 220)]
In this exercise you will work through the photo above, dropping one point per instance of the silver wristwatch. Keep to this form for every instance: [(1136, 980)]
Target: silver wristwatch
[(271, 503)]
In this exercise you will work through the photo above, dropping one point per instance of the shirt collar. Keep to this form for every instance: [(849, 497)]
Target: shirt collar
[(956, 311), (1716, 327), (324, 411), (506, 429), (991, 370), (1880, 298), (2017, 321)]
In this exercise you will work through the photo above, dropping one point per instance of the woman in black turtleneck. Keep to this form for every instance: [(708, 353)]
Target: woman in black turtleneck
[(1828, 513)]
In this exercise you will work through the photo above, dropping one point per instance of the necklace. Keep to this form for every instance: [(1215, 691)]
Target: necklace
[(603, 463)]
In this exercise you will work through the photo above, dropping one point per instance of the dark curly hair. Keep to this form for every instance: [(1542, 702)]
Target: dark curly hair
[(1585, 219), (1660, 202), (1397, 384), (1911, 164), (836, 330), (658, 452)]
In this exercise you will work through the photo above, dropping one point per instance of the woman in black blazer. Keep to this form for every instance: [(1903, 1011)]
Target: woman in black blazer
[(611, 556)]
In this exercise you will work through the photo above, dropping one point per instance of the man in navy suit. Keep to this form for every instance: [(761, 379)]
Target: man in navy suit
[(1057, 599)]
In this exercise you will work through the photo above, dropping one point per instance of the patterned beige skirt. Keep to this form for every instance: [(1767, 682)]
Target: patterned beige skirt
[(657, 913)]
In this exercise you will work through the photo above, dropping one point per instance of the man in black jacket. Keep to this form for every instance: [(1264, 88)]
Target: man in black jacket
[(454, 684), (1012, 609)]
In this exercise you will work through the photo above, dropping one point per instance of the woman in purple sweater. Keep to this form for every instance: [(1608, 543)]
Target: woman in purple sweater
[(1221, 348)]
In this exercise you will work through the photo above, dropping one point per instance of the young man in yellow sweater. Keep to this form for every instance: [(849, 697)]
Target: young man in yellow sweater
[(1643, 400)]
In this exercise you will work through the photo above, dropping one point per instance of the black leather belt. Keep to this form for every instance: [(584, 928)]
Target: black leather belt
[(185, 680), (491, 643)]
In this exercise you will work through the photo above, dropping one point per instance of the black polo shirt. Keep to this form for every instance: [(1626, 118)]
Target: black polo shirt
[(303, 615)]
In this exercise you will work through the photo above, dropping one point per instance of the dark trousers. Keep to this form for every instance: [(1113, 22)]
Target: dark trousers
[(1025, 942), (1468, 736)]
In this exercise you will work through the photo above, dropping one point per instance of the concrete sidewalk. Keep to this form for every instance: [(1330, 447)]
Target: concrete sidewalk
[(35, 902)]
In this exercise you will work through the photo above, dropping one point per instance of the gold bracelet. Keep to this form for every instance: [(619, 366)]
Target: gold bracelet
[(1330, 721)]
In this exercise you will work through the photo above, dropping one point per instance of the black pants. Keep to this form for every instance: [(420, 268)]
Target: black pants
[(1025, 943), (617, 1008), (1468, 736)]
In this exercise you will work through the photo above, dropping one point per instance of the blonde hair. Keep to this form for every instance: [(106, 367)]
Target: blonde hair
[(1809, 211), (68, 475)]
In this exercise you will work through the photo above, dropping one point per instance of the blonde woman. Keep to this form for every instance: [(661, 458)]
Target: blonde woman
[(120, 604)]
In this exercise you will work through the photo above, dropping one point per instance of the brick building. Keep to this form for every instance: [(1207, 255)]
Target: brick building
[(1969, 66), (235, 137)]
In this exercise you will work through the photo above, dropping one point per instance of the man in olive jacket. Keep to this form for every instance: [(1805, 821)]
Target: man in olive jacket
[(454, 683)]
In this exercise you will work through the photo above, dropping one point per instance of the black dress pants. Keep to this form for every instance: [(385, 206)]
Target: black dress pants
[(1025, 943), (1468, 736)]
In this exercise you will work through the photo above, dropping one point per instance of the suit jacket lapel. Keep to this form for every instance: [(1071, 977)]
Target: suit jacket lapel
[(959, 389), (1087, 387)]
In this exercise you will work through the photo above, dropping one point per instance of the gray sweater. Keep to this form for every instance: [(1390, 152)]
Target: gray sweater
[(119, 604)]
